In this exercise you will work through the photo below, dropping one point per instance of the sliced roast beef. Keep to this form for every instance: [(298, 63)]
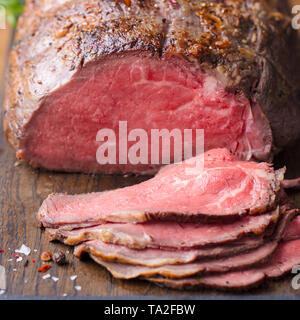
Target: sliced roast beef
[(224, 188), (228, 67), (130, 271), (157, 257), (285, 258), (131, 264), (169, 234)]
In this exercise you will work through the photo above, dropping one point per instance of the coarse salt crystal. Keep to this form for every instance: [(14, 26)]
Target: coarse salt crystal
[(2, 278), (24, 249), (19, 259), (78, 288), (2, 292), (55, 279), (47, 276), (73, 278)]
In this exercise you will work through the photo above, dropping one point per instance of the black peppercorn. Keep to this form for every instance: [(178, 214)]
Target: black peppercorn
[(59, 258)]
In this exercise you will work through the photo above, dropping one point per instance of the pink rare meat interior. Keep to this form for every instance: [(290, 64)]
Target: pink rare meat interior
[(224, 188), (148, 93), (172, 234)]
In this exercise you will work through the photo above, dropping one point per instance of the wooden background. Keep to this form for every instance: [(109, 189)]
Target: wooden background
[(22, 191)]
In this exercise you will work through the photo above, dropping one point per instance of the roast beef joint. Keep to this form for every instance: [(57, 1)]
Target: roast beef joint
[(227, 68)]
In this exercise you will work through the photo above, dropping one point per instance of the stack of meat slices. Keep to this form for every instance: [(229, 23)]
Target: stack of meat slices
[(227, 225)]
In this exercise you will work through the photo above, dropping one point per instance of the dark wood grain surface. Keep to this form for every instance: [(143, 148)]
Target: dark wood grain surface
[(22, 191)]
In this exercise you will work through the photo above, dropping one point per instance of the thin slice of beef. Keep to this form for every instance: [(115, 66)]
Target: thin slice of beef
[(130, 271), (285, 258), (239, 280), (224, 188), (159, 257), (228, 67), (169, 234), (156, 257)]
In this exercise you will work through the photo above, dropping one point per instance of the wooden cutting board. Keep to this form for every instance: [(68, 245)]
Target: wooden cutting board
[(22, 191)]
